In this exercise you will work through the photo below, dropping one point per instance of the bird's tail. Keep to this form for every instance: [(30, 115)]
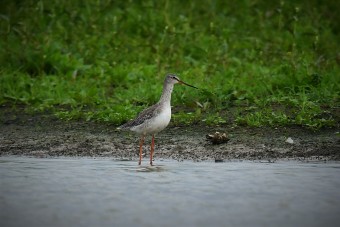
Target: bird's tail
[(123, 127)]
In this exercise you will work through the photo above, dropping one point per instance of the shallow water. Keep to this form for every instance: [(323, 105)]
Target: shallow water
[(104, 192)]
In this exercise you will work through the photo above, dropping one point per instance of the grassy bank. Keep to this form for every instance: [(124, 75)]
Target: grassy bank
[(257, 63)]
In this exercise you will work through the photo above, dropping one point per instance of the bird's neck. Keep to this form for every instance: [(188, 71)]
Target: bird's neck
[(166, 94)]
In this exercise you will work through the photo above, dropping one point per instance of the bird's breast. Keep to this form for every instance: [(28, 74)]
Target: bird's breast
[(160, 121)]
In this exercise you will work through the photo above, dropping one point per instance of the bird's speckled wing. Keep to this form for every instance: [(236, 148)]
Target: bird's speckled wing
[(142, 117)]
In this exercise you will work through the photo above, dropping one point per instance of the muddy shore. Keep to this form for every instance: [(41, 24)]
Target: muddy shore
[(43, 135)]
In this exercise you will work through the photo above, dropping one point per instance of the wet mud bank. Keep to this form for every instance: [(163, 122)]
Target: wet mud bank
[(45, 136)]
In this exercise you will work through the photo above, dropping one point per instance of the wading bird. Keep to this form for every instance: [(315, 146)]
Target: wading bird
[(155, 118)]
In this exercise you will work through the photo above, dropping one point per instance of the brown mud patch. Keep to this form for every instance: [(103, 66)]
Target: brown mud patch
[(43, 135)]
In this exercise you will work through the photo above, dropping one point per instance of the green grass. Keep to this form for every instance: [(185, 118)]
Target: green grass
[(258, 63)]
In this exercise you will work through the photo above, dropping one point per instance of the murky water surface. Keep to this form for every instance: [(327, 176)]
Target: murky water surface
[(104, 192)]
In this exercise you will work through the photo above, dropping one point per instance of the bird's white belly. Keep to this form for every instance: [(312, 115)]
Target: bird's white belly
[(155, 124)]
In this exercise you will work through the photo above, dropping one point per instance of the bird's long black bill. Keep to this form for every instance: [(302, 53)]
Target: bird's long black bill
[(187, 84)]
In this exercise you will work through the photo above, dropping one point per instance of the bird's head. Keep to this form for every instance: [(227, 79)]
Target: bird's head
[(173, 79)]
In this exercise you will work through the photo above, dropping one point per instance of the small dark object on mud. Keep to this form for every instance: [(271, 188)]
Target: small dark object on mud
[(218, 138), (218, 160)]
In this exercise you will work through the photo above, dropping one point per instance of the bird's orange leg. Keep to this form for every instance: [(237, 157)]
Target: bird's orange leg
[(141, 149), (152, 148)]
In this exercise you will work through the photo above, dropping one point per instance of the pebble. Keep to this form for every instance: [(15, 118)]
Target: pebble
[(289, 140)]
